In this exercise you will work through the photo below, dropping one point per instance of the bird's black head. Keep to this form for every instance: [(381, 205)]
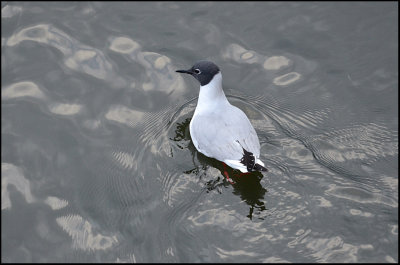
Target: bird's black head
[(203, 71)]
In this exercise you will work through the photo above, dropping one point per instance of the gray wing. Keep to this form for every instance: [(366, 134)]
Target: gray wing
[(222, 135)]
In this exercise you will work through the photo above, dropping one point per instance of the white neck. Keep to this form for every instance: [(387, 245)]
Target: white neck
[(211, 95)]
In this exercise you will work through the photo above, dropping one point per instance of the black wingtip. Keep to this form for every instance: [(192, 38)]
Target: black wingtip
[(259, 167), (248, 160)]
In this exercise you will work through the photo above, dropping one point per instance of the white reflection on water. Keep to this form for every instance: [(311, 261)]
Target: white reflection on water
[(360, 213), (131, 259), (124, 115), (323, 202), (222, 253), (395, 229), (22, 89), (360, 195), (10, 11), (82, 235), (29, 89), (124, 45), (65, 109), (56, 203), (286, 79), (215, 217), (334, 249), (276, 62), (241, 55), (274, 260), (78, 57), (12, 175), (390, 259), (160, 73)]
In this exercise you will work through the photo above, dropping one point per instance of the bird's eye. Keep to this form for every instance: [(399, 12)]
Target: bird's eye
[(197, 71)]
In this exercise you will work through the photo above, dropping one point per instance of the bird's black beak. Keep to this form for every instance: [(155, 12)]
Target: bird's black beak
[(184, 71)]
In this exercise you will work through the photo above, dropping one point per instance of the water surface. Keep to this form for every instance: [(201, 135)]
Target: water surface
[(97, 159)]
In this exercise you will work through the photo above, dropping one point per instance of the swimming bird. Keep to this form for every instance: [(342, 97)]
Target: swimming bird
[(219, 129)]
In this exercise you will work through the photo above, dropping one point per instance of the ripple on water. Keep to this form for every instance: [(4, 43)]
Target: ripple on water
[(360, 195), (346, 151), (291, 121), (349, 150), (83, 235), (176, 186), (125, 171), (119, 187), (185, 191), (125, 159), (334, 249)]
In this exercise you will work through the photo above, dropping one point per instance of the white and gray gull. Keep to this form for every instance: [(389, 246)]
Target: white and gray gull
[(219, 129)]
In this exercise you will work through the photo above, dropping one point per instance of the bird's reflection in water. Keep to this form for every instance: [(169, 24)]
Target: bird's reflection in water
[(247, 186)]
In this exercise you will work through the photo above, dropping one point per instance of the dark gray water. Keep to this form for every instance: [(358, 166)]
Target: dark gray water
[(97, 161)]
